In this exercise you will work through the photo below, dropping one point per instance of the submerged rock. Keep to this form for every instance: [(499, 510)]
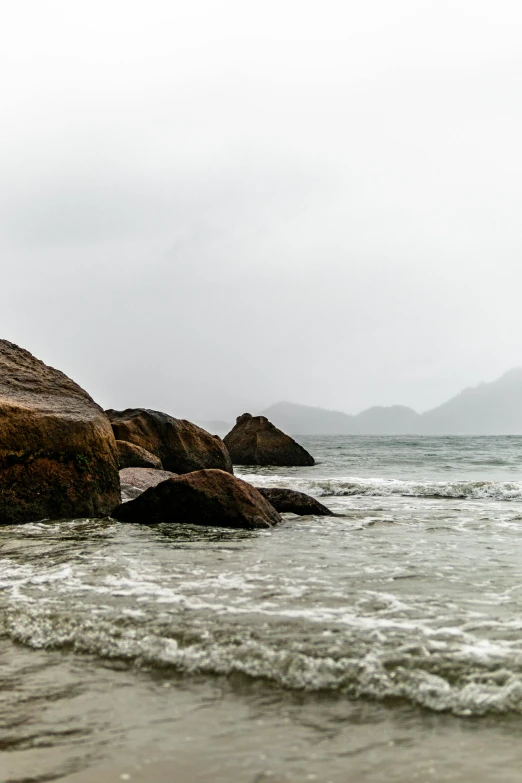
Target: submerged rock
[(134, 481), (57, 450), (181, 446), (132, 456), (291, 501), (256, 441), (204, 497)]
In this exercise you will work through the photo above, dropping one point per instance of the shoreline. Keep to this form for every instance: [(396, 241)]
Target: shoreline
[(123, 724)]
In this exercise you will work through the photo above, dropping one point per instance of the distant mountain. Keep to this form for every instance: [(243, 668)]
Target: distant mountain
[(488, 409), (394, 420), (306, 420)]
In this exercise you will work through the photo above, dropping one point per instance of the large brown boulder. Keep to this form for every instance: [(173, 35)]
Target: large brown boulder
[(134, 481), (132, 456), (256, 441), (57, 451), (180, 445), (205, 497), (291, 501)]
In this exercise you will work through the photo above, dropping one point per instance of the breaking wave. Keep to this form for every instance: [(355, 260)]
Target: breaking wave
[(447, 670), (377, 487)]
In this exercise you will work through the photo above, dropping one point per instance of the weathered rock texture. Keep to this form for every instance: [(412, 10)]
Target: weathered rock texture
[(57, 451), (132, 456), (205, 497), (291, 501), (180, 445), (134, 481), (256, 441)]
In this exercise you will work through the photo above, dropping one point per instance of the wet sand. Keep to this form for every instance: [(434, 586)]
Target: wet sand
[(74, 719), (435, 757)]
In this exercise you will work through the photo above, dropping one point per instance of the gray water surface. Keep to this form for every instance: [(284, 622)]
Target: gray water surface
[(380, 634)]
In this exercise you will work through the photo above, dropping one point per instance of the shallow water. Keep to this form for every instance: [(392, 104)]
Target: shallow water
[(386, 642)]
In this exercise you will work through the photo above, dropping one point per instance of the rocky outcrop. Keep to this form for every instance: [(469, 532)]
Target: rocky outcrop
[(134, 481), (256, 441), (205, 497), (181, 446), (57, 451), (293, 502), (132, 456)]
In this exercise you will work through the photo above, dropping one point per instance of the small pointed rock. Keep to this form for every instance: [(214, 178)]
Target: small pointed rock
[(256, 441)]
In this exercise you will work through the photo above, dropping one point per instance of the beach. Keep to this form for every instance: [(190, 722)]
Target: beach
[(381, 644)]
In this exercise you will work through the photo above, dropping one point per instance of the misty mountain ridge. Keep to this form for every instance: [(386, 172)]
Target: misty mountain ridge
[(487, 409)]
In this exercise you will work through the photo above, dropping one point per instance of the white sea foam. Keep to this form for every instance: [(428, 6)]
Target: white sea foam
[(378, 647), (353, 486), (400, 598), (466, 680)]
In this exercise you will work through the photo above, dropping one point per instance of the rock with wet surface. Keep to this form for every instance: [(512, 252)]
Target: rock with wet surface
[(256, 441), (57, 450), (293, 502), (181, 446), (132, 456), (205, 497), (134, 481)]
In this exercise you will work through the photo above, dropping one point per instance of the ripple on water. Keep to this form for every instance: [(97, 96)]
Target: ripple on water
[(384, 611)]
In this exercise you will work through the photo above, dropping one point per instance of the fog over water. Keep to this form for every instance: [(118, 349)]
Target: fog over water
[(210, 207)]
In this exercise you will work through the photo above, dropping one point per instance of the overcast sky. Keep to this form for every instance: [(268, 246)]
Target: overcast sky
[(207, 207)]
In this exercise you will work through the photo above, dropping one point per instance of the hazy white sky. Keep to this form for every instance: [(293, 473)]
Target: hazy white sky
[(208, 207)]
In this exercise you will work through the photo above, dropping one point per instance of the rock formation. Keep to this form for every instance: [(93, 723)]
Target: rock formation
[(57, 451), (134, 481), (204, 497), (291, 501), (180, 445), (132, 456), (255, 441)]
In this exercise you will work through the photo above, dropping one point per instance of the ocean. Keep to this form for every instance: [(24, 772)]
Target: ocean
[(381, 644)]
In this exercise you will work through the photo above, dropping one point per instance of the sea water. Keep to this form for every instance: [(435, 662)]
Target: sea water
[(380, 644)]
